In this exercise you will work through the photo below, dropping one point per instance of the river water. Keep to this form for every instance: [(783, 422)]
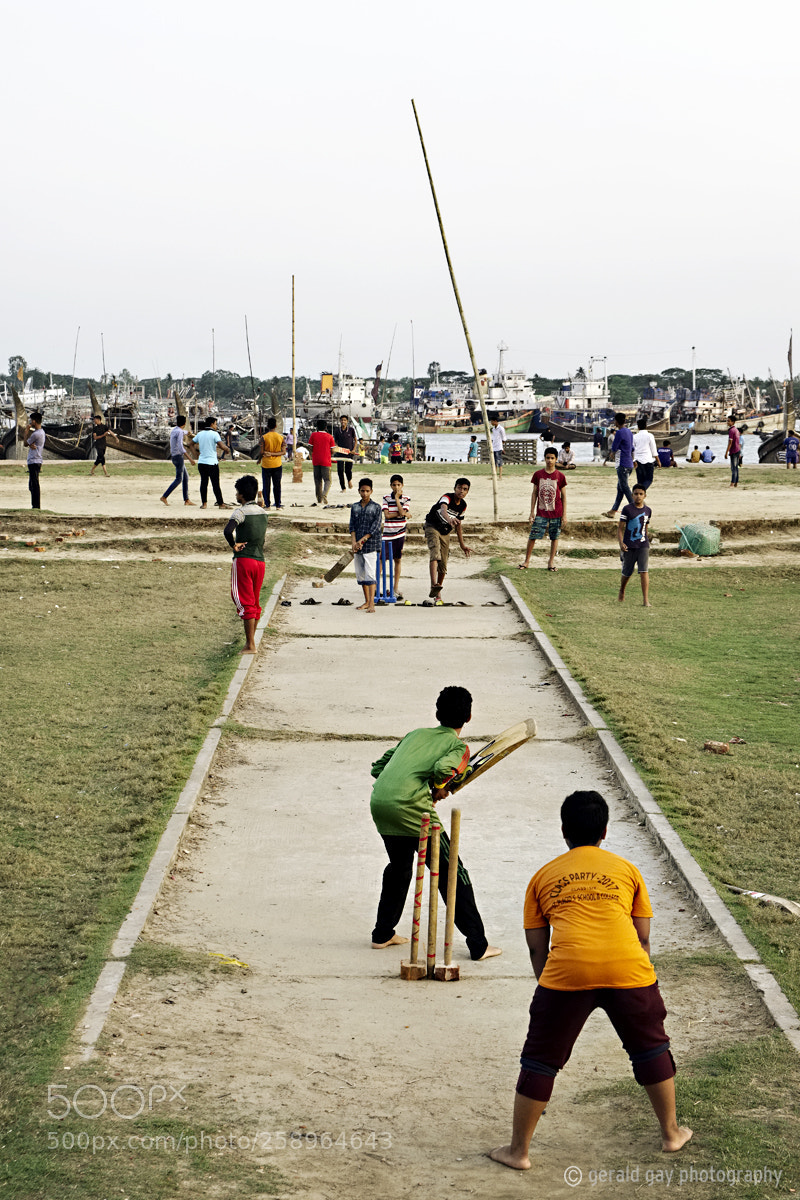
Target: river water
[(452, 447)]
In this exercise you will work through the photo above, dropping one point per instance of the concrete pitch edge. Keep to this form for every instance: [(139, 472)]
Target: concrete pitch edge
[(694, 879), (105, 990)]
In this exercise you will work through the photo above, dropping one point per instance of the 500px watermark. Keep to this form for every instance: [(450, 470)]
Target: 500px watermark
[(257, 1142), (731, 1176), (126, 1101)]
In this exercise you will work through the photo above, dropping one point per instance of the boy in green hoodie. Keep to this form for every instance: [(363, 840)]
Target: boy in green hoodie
[(410, 779)]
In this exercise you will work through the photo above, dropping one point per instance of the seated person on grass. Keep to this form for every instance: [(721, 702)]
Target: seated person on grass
[(665, 455), (634, 544), (587, 925), (410, 779), (566, 458), (548, 508)]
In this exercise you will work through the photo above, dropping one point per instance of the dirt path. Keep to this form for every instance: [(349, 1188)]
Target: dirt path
[(411, 1083), (677, 495)]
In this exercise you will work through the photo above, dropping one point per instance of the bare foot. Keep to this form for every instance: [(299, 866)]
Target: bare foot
[(163, 501), (621, 597), (502, 1154), (646, 604), (397, 940), (370, 609), (190, 504), (249, 650), (670, 1145), (362, 607), (490, 952)]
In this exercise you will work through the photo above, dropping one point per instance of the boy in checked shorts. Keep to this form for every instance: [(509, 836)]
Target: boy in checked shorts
[(548, 508), (634, 544), (366, 520), (587, 925)]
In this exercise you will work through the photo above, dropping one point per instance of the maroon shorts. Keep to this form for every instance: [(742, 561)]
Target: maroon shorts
[(247, 576), (557, 1018)]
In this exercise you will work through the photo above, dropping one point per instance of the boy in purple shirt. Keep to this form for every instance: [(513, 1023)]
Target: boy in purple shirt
[(34, 440), (733, 450), (622, 449), (634, 544)]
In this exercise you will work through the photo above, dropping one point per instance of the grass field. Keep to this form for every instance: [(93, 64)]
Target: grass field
[(113, 673), (714, 658)]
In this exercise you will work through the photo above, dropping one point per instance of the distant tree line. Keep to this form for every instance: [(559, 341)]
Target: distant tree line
[(273, 393)]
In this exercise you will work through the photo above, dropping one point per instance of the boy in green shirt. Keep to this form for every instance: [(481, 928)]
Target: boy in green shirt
[(410, 779), (245, 533)]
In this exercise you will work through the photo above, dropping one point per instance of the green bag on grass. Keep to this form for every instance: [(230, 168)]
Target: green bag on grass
[(701, 538)]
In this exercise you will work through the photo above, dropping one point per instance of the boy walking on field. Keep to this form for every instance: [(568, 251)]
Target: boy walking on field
[(548, 508), (587, 925), (411, 778), (634, 544), (245, 533)]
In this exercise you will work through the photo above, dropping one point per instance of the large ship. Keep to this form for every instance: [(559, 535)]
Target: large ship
[(454, 408)]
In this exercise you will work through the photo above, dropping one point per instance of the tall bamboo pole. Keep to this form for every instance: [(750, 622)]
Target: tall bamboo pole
[(256, 421), (294, 398), (74, 362), (478, 391)]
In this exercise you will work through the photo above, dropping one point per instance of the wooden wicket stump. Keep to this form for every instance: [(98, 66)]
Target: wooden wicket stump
[(409, 967), (447, 974), (413, 970)]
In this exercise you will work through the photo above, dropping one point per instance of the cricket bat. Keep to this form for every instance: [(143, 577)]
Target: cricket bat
[(500, 747), (338, 567)]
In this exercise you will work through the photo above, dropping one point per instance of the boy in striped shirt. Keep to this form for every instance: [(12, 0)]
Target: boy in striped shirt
[(396, 508), (245, 533)]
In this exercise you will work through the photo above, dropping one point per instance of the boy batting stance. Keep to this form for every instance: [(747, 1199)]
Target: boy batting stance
[(245, 534), (410, 778), (587, 925)]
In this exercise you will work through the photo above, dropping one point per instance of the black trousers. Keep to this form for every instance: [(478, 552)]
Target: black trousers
[(271, 476), (344, 468), (33, 484), (209, 474), (397, 876)]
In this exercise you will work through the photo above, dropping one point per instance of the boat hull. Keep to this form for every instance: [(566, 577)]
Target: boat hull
[(137, 447)]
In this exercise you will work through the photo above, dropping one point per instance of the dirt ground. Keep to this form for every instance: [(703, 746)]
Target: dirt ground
[(677, 495), (391, 1089)]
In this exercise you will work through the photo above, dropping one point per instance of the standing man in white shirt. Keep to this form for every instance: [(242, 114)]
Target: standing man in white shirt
[(498, 443), (645, 454), (208, 463)]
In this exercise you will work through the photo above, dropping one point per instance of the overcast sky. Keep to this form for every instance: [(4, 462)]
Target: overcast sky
[(617, 178)]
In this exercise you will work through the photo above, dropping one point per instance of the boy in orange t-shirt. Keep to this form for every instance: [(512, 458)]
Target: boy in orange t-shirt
[(587, 925)]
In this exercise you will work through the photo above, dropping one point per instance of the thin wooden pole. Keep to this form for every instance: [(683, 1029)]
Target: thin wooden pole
[(213, 370), (790, 391), (294, 397), (433, 899), (452, 880), (74, 361), (422, 854), (256, 422), (478, 391)]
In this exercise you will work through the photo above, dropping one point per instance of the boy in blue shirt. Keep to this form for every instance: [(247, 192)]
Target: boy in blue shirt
[(622, 449), (634, 544), (791, 444)]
